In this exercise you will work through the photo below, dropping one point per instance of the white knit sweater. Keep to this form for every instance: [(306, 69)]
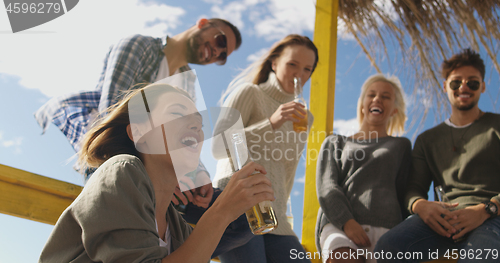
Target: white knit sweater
[(278, 150)]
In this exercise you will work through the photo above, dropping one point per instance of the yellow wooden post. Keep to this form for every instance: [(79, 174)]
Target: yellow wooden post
[(321, 106), (32, 196)]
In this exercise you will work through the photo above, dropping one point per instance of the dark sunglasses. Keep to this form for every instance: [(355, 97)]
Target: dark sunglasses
[(472, 84), (221, 42)]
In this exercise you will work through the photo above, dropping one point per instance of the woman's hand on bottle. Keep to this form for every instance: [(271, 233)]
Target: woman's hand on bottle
[(244, 190), (356, 233), (290, 111)]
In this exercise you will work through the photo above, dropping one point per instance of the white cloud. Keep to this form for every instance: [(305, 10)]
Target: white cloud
[(254, 2), (231, 12), (255, 56), (285, 17), (13, 144), (296, 193), (272, 19), (234, 11), (342, 31), (387, 7), (301, 180), (346, 127), (384, 6), (66, 54), (215, 2)]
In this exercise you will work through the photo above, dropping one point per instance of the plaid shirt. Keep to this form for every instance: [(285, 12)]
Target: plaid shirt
[(134, 60)]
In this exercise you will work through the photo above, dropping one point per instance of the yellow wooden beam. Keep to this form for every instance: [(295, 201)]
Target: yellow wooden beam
[(34, 197), (322, 99)]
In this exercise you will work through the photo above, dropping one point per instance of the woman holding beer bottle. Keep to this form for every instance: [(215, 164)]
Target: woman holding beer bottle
[(124, 213), (265, 95)]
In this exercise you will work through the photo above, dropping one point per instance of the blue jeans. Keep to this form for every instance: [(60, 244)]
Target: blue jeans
[(267, 248), (414, 236)]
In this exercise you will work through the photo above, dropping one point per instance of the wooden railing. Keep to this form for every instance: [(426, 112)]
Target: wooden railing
[(34, 197)]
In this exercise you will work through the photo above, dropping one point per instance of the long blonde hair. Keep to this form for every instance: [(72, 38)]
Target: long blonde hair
[(258, 71), (109, 137), (396, 125)]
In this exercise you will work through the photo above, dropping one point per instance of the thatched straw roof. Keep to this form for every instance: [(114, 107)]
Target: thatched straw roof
[(426, 32)]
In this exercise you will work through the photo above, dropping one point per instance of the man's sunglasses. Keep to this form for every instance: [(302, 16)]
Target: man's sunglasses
[(221, 42), (472, 84)]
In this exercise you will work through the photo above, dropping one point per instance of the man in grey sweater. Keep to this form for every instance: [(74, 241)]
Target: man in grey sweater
[(461, 155)]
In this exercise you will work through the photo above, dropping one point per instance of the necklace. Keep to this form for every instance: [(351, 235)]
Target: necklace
[(455, 149)]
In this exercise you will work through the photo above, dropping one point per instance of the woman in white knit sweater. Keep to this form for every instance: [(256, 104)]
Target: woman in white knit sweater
[(263, 94)]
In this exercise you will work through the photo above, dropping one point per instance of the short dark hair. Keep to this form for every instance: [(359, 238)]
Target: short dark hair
[(466, 57), (235, 30)]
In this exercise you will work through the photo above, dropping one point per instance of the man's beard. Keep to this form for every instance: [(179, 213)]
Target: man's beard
[(466, 107), (192, 48)]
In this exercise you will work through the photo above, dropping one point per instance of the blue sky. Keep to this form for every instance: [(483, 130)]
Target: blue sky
[(66, 54)]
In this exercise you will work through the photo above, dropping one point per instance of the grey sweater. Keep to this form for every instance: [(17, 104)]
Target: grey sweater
[(362, 180)]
